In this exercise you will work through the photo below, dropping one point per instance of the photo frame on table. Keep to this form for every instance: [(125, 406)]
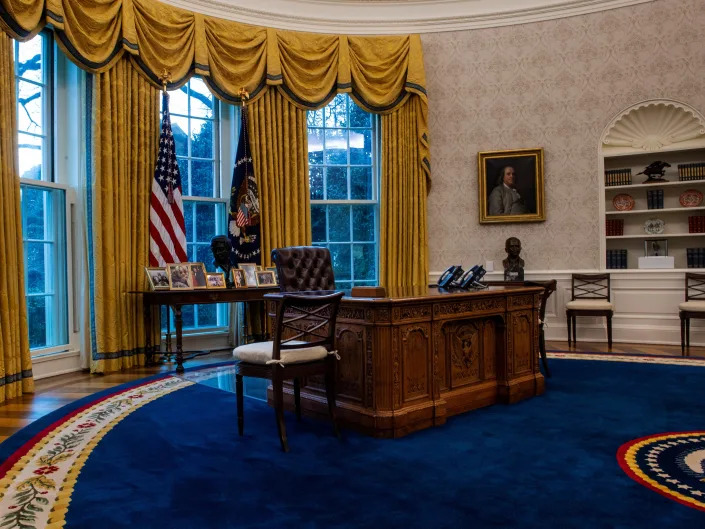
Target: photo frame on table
[(215, 280), (239, 278), (250, 270), (180, 276), (656, 247), (265, 278), (198, 275), (511, 187), (276, 274), (158, 277)]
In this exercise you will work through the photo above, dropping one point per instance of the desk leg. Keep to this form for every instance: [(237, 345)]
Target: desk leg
[(168, 334), (148, 333), (178, 323)]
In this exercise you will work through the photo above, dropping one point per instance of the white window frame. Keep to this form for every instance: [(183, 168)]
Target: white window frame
[(374, 201)]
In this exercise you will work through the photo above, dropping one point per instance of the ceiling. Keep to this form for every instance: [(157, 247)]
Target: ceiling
[(394, 16)]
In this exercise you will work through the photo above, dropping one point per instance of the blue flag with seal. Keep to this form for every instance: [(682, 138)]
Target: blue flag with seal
[(244, 210)]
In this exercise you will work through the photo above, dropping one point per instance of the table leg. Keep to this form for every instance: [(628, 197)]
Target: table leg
[(168, 334), (148, 333), (178, 323)]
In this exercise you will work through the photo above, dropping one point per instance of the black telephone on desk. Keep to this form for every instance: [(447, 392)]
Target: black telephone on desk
[(472, 278), (450, 276)]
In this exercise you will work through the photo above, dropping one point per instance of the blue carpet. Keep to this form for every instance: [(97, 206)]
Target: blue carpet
[(549, 462)]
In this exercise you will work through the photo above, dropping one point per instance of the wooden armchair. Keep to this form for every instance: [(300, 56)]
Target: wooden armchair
[(304, 334), (590, 296), (693, 307)]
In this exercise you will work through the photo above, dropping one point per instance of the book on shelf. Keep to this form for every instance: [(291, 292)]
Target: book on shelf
[(618, 177), (691, 171), (617, 259), (614, 227), (695, 257), (696, 224), (654, 199)]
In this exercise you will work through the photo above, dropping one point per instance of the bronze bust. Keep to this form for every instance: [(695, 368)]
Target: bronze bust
[(221, 248), (513, 264)]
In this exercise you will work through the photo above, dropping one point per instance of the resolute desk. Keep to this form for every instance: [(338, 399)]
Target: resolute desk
[(414, 358)]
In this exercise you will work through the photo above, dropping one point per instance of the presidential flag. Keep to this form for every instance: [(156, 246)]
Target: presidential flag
[(167, 234), (244, 211)]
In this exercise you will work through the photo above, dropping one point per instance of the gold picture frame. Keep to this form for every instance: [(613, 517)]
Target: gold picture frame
[(250, 270), (158, 277), (198, 275), (239, 278), (265, 278), (215, 280), (276, 274), (511, 186), (180, 276)]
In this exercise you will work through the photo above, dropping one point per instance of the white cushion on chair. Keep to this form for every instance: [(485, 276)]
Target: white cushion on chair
[(693, 306), (589, 304), (261, 353)]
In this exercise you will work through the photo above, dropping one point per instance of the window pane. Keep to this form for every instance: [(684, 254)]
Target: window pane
[(336, 112), (183, 173), (29, 59), (314, 118), (29, 107), (205, 256), (207, 315), (361, 147), (205, 222), (202, 178), (318, 223), (339, 223), (201, 98), (179, 127), (178, 102), (35, 267), (188, 220), (201, 138), (340, 255), (361, 183), (364, 261), (36, 315), (33, 211), (364, 223), (187, 316), (336, 183), (315, 182), (30, 156), (358, 117), (315, 146), (336, 147)]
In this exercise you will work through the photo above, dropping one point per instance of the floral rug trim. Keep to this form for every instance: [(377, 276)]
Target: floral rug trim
[(634, 358), (36, 489)]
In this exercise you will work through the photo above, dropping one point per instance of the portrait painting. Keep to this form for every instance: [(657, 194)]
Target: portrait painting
[(215, 279), (511, 186), (265, 278), (158, 279), (198, 275), (250, 270), (180, 276), (239, 278)]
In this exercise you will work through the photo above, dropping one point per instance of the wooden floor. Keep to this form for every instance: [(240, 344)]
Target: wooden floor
[(55, 392)]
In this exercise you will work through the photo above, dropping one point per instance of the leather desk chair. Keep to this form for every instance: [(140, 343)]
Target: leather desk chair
[(693, 307), (304, 268), (590, 297)]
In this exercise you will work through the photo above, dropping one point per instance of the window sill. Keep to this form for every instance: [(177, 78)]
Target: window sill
[(46, 357)]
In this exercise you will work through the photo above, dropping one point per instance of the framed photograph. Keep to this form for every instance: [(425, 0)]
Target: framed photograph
[(511, 186), (239, 278), (180, 276), (265, 278), (158, 278), (198, 275), (656, 247), (250, 270), (276, 274), (215, 280)]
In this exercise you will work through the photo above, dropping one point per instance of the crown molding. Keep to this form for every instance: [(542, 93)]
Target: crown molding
[(374, 17)]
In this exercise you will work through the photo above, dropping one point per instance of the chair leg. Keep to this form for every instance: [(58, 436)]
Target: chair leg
[(330, 392), (682, 333), (542, 351), (687, 332), (240, 397), (567, 319), (575, 334), (609, 332), (297, 397), (278, 390)]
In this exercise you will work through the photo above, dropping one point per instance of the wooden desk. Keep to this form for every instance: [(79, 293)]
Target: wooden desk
[(410, 360), (177, 298)]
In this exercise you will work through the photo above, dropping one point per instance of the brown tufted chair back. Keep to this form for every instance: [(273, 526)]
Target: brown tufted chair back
[(304, 268)]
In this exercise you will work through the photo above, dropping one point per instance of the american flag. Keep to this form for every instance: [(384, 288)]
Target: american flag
[(167, 234)]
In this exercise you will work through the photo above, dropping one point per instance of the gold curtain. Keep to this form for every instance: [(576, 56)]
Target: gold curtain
[(15, 361), (278, 135), (125, 139), (403, 244)]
